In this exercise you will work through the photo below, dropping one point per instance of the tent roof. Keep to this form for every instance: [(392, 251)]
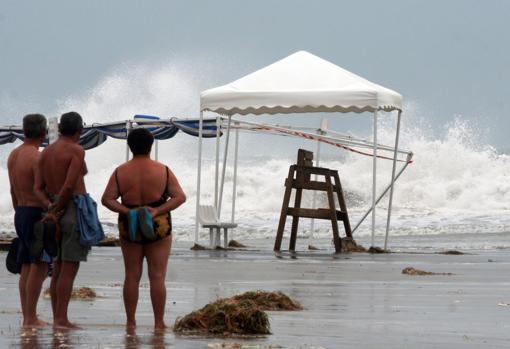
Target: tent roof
[(299, 83)]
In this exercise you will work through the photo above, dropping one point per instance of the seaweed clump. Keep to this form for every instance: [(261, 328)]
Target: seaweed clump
[(376, 250), (109, 242), (82, 293), (350, 245), (270, 301), (198, 247), (236, 244), (452, 252), (225, 317), (242, 314), (412, 271)]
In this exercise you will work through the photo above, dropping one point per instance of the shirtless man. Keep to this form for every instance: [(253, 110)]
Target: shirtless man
[(60, 177), (22, 165)]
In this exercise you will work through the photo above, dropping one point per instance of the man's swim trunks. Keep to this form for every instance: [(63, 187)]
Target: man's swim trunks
[(24, 220), (69, 247)]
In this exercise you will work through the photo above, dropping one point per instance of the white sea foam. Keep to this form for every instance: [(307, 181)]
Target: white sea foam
[(455, 185)]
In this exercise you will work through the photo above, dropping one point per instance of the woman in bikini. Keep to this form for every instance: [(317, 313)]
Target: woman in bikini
[(148, 192)]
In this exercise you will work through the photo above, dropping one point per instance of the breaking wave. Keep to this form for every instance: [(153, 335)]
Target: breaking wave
[(456, 184)]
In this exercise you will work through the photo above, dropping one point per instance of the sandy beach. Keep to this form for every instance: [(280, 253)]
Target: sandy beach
[(353, 300), (388, 120)]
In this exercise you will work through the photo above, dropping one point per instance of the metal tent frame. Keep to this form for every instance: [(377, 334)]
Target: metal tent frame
[(320, 138)]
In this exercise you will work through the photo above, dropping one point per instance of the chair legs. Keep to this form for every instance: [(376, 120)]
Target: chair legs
[(215, 237), (217, 241), (225, 237)]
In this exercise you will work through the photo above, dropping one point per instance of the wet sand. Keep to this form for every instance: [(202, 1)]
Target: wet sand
[(351, 300)]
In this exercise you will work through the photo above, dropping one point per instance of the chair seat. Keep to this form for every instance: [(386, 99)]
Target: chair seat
[(220, 225), (208, 219)]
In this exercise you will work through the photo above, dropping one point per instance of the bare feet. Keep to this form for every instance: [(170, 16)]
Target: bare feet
[(160, 327), (36, 323), (65, 325)]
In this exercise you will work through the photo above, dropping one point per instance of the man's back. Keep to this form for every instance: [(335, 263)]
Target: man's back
[(21, 164), (57, 160)]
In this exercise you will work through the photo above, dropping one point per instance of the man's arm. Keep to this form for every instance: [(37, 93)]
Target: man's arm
[(14, 199), (13, 194), (74, 171), (39, 184), (177, 196)]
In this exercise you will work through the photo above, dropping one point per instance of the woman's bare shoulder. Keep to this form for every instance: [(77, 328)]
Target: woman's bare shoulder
[(152, 165), (159, 165)]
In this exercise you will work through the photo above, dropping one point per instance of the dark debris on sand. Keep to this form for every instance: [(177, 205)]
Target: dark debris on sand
[(413, 271), (242, 314), (198, 247), (452, 252), (350, 245), (375, 250), (270, 301), (82, 293), (232, 245), (236, 244), (109, 242)]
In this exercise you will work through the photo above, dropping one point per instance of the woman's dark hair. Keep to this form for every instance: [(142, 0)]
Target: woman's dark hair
[(140, 141), (70, 123), (34, 125)]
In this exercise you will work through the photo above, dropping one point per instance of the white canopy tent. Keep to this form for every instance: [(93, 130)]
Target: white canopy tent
[(301, 83)]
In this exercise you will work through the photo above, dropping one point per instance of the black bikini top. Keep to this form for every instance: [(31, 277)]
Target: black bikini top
[(162, 200)]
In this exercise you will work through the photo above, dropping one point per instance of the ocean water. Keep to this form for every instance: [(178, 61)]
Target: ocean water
[(456, 186)]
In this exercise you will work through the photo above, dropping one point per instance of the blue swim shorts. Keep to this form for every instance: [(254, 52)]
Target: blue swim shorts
[(24, 220)]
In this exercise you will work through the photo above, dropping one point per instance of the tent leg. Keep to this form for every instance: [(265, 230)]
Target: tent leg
[(317, 163), (234, 185), (156, 150), (217, 168), (217, 241), (374, 179), (380, 197), (220, 195), (392, 180), (199, 172)]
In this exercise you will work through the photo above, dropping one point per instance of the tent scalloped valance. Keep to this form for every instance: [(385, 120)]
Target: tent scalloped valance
[(300, 83), (278, 109)]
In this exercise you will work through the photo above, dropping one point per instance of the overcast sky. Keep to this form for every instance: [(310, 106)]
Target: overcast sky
[(446, 58)]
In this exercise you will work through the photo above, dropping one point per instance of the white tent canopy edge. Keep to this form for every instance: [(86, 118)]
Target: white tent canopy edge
[(302, 83)]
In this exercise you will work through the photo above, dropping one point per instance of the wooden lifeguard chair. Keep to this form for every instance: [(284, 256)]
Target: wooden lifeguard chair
[(299, 179)]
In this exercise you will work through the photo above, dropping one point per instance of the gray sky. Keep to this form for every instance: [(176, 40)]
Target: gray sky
[(446, 57)]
